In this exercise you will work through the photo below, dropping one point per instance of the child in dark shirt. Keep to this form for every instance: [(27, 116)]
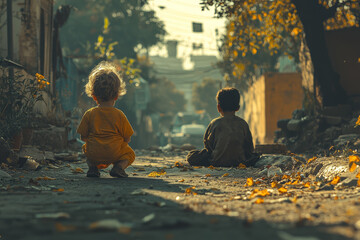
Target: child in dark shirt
[(228, 140)]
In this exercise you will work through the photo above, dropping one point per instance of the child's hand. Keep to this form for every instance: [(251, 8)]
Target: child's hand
[(127, 139)]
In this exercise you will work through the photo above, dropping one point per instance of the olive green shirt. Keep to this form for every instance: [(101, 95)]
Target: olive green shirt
[(229, 141)]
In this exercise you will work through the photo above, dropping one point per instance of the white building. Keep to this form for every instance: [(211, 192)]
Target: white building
[(190, 51)]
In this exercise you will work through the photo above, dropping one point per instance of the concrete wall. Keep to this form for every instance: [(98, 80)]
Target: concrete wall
[(272, 97), (253, 106), (283, 94)]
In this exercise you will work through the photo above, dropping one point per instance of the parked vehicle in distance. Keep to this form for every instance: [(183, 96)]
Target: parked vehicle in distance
[(183, 118), (189, 133), (189, 128)]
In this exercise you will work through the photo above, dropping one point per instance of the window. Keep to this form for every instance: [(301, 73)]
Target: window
[(197, 46), (197, 27)]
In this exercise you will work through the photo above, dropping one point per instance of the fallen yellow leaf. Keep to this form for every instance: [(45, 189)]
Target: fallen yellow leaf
[(358, 120), (354, 158), (225, 175), (78, 170), (263, 193), (274, 184), (124, 229), (311, 159), (358, 182), (307, 185), (282, 190), (352, 166), (179, 164), (211, 167), (285, 176), (242, 166), (157, 174), (358, 174), (259, 201), (335, 180), (58, 190), (181, 180), (189, 191), (45, 178), (249, 182), (63, 228), (208, 175), (294, 199)]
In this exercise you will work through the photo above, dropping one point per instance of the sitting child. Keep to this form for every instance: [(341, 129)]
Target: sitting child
[(227, 140), (105, 129)]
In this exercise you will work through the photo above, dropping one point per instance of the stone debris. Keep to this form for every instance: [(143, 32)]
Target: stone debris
[(333, 126), (30, 164), (59, 215), (4, 174)]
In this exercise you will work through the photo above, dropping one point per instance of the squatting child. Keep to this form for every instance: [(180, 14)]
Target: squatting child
[(228, 140), (104, 128)]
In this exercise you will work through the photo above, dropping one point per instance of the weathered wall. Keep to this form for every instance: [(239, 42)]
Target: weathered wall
[(283, 94), (272, 97), (32, 41), (253, 106)]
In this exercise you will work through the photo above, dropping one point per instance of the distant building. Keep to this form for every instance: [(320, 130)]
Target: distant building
[(190, 51)]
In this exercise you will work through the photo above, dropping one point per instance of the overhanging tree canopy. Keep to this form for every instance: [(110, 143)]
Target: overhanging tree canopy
[(278, 23)]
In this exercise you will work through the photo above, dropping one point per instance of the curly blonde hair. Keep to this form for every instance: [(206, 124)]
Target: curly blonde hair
[(105, 83)]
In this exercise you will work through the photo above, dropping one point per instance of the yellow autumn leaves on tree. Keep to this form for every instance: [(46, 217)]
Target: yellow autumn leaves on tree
[(270, 28)]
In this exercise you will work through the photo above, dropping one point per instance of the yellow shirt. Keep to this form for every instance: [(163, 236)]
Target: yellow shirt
[(105, 129)]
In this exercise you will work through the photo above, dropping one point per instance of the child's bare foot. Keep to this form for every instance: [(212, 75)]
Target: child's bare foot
[(117, 171), (93, 172)]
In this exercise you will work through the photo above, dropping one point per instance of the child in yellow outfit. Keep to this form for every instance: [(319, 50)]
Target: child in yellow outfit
[(105, 129)]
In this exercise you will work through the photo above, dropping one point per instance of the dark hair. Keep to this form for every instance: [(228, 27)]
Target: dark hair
[(228, 99)]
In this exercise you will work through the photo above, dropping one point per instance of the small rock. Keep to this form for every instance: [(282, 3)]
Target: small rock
[(333, 121), (109, 224), (272, 171), (298, 114), (187, 147), (282, 123), (70, 157), (348, 182), (4, 174), (148, 218), (59, 215), (294, 125), (30, 164), (345, 139)]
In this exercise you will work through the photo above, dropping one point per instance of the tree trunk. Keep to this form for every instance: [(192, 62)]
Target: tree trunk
[(325, 77)]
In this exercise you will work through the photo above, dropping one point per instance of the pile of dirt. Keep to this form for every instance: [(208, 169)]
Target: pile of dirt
[(333, 128)]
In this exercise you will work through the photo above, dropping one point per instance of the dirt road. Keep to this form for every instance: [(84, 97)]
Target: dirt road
[(164, 198)]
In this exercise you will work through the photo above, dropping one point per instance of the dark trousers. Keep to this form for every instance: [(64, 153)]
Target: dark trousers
[(199, 157), (203, 158)]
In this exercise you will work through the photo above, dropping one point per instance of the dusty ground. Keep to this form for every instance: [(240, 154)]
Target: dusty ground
[(59, 202)]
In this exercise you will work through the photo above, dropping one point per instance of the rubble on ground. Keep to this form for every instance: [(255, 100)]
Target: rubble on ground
[(334, 126)]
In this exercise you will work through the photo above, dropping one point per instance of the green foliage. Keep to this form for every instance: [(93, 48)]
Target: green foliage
[(18, 98), (204, 94), (129, 26)]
